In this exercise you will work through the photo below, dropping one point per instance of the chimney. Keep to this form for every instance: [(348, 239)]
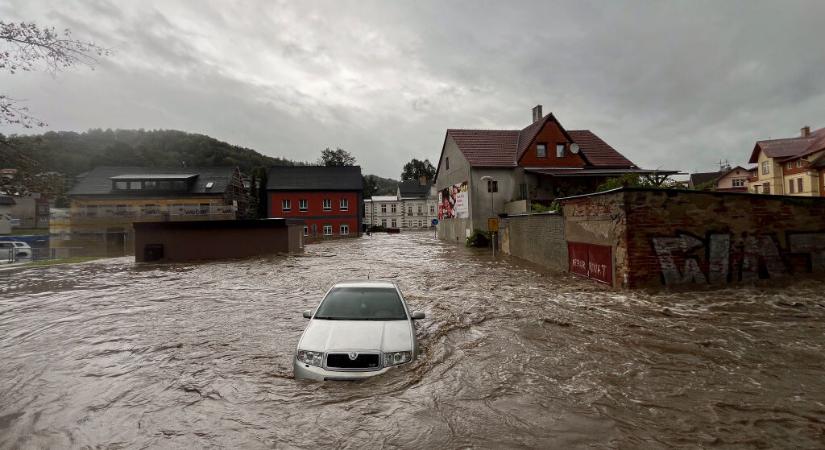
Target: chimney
[(537, 115), (422, 180), (806, 131)]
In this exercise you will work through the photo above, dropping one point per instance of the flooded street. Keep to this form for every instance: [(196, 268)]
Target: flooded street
[(113, 354)]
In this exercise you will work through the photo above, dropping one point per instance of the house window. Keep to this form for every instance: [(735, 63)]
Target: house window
[(327, 230), (344, 204), (135, 185), (766, 188), (419, 210), (392, 208), (559, 150), (394, 223), (766, 167), (286, 205), (447, 163), (799, 185), (798, 163), (302, 205), (327, 204), (344, 230), (541, 150), (306, 230), (384, 209), (121, 185), (790, 186), (432, 209), (492, 185), (789, 165), (150, 185), (384, 223), (409, 210), (738, 182)]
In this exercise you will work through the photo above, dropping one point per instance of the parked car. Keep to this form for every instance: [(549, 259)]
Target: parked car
[(360, 329), (14, 250)]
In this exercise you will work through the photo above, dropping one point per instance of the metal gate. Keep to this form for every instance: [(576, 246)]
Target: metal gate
[(591, 261)]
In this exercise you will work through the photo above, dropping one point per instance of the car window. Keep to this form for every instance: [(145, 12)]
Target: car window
[(353, 303), (5, 245), (19, 244)]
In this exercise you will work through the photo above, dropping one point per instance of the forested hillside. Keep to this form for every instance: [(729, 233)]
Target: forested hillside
[(74, 153)]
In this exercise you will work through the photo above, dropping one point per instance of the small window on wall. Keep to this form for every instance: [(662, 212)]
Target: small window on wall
[(447, 163), (541, 150), (800, 185), (394, 223), (392, 208), (798, 163), (302, 205), (286, 205), (327, 204), (327, 230), (306, 230), (344, 204), (121, 185), (790, 186), (384, 208), (492, 185), (766, 167), (766, 188), (559, 150), (344, 230), (789, 165)]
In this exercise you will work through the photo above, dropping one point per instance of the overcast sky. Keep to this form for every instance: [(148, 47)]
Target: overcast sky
[(675, 85)]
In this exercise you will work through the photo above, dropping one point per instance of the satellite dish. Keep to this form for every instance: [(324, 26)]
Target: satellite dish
[(574, 148)]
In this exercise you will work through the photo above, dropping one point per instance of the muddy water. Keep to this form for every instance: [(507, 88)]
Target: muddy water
[(199, 355)]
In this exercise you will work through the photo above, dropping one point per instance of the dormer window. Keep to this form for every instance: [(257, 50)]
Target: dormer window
[(541, 150), (559, 150)]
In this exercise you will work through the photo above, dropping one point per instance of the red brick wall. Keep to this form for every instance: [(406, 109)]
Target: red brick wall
[(315, 215), (669, 238)]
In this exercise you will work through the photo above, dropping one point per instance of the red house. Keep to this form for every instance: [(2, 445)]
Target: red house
[(328, 199)]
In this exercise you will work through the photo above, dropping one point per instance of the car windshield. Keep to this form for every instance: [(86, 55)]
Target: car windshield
[(357, 303)]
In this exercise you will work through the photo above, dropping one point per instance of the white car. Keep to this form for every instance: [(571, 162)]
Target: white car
[(361, 329), (14, 250)]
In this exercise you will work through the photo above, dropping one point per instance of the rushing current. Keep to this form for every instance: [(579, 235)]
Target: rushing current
[(114, 354)]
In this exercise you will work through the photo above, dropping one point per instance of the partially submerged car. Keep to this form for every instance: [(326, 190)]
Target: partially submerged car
[(360, 329), (15, 250)]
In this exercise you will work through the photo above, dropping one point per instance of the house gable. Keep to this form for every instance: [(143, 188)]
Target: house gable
[(550, 135)]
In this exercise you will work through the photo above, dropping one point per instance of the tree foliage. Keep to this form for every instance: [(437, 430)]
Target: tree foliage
[(25, 47), (337, 157), (636, 180), (415, 169)]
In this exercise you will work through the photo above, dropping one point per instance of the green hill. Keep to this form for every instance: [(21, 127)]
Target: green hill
[(73, 153)]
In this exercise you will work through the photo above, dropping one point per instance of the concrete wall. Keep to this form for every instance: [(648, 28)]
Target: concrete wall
[(200, 240), (675, 237), (538, 238)]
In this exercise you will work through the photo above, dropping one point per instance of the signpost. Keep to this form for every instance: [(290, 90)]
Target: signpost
[(492, 227), (435, 222)]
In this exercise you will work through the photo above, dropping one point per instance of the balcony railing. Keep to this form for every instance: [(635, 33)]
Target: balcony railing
[(142, 214)]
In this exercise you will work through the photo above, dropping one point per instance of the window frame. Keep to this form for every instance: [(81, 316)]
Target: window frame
[(343, 204), (327, 227), (800, 185), (766, 167), (343, 229), (303, 205), (306, 230), (560, 149), (326, 204), (286, 205), (541, 150)]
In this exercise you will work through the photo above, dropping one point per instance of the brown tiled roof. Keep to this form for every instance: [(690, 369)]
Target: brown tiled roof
[(487, 148), (597, 152), (503, 148), (790, 148)]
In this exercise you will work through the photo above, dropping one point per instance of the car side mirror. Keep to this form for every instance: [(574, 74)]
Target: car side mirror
[(418, 315), (308, 314)]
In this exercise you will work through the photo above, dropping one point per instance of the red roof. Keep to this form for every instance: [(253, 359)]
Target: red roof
[(503, 148), (790, 148)]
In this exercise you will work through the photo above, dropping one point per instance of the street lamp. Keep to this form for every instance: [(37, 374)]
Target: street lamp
[(492, 187)]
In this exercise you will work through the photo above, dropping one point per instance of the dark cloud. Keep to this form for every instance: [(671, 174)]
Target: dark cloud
[(670, 84)]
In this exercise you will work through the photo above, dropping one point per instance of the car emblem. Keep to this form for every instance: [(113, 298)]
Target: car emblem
[(353, 356)]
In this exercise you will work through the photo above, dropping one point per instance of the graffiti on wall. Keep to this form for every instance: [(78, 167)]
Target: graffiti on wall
[(722, 258)]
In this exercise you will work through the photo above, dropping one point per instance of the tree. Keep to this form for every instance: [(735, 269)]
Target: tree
[(370, 185), (337, 157), (416, 169), (26, 46)]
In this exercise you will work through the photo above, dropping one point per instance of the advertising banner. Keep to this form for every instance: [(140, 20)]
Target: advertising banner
[(454, 202)]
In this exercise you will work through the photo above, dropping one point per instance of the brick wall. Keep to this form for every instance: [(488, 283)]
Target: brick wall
[(538, 238), (676, 237)]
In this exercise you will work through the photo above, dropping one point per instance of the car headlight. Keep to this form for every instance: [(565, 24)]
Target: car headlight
[(311, 358), (396, 358)]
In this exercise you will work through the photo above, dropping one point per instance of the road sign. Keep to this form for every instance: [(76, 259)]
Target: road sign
[(492, 224), (435, 222)]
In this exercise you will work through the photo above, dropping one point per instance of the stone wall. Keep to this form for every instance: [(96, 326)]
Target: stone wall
[(538, 238), (678, 237)]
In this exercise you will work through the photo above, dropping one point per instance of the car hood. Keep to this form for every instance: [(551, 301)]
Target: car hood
[(357, 335)]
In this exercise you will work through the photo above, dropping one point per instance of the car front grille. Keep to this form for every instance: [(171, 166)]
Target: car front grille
[(363, 361)]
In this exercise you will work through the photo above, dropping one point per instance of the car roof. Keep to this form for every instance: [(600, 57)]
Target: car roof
[(366, 284)]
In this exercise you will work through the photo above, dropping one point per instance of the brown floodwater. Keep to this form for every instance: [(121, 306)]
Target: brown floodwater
[(113, 354)]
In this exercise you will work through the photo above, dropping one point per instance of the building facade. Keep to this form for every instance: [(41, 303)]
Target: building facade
[(790, 166), (413, 207), (727, 179), (328, 199), (484, 173), (106, 201)]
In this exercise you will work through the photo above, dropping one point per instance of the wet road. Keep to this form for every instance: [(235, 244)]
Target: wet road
[(112, 354)]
